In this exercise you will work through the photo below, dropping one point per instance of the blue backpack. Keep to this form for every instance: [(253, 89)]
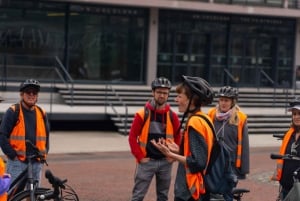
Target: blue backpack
[(219, 177)]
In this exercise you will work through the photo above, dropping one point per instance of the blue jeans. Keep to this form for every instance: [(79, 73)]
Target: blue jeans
[(16, 167), (143, 176)]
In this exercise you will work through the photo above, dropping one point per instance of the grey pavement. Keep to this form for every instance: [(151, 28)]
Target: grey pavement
[(99, 141)]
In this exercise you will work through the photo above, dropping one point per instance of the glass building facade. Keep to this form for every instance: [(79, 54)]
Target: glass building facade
[(226, 49), (94, 43), (100, 43)]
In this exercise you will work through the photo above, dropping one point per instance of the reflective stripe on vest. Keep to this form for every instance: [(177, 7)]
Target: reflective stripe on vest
[(143, 137), (242, 119), (195, 181), (285, 141), (17, 136)]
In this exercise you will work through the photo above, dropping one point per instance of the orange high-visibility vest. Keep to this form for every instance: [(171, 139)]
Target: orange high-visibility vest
[(278, 173), (3, 197), (17, 136), (143, 137), (242, 119), (195, 181)]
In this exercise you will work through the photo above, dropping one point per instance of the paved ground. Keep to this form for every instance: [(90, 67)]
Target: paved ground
[(100, 166)]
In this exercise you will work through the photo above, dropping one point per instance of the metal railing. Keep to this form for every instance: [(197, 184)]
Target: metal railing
[(274, 84), (16, 68), (110, 103), (232, 78), (262, 72), (65, 78)]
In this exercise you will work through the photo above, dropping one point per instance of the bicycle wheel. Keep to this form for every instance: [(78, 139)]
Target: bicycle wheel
[(25, 195)]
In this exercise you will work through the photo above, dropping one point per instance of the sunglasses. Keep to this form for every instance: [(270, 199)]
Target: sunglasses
[(294, 148), (31, 91)]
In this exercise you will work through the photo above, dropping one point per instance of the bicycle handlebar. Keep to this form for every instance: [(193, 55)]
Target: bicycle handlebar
[(284, 157), (55, 181), (279, 136), (37, 153)]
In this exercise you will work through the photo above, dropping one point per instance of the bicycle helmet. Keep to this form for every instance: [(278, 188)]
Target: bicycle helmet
[(200, 87), (161, 82), (228, 91), (295, 104), (30, 83)]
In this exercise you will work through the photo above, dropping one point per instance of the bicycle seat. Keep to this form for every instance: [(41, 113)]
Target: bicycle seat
[(240, 190)]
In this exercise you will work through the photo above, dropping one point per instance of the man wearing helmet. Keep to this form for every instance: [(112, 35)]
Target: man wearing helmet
[(156, 120), (24, 121), (194, 152), (231, 125), (290, 145)]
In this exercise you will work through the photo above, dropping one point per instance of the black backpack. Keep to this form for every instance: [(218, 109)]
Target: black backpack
[(219, 177)]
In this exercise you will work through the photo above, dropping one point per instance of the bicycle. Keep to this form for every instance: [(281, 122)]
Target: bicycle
[(60, 191), (294, 193), (237, 195)]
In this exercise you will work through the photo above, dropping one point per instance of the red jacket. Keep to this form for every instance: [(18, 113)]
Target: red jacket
[(137, 126)]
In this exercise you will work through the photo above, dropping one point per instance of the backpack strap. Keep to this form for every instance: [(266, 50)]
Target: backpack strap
[(209, 123), (16, 109)]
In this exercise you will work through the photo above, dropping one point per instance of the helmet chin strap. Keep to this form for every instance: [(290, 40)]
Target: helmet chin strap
[(297, 128), (185, 114)]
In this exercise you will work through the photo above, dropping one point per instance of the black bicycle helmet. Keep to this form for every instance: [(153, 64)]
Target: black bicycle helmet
[(161, 82), (30, 83), (228, 91), (200, 87), (295, 104)]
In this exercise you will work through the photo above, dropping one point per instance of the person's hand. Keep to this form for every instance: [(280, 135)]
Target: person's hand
[(170, 160), (172, 146), (162, 146), (273, 178), (144, 160)]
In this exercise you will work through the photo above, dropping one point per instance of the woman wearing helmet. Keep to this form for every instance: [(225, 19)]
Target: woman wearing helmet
[(24, 121), (290, 145), (194, 151), (231, 125)]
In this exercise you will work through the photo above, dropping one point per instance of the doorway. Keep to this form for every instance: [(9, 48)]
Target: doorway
[(191, 55)]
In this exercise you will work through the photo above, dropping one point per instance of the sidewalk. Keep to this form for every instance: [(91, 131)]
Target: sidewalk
[(62, 142), (96, 141), (91, 161)]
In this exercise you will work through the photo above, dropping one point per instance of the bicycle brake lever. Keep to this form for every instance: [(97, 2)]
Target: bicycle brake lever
[(43, 160)]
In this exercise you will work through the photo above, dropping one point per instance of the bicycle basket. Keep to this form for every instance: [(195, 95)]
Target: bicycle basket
[(294, 194)]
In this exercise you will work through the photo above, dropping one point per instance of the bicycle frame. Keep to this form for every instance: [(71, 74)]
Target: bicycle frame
[(59, 191), (294, 193), (25, 179)]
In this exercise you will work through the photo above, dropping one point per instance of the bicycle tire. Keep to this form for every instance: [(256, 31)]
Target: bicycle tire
[(25, 195)]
